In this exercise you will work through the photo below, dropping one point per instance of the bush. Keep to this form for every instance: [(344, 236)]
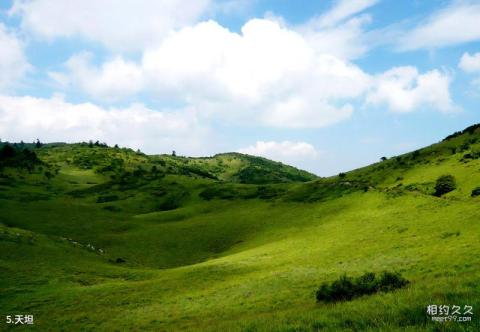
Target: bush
[(13, 157), (471, 156), (444, 184), (107, 198), (7, 152), (171, 202), (218, 192), (389, 281), (476, 192), (346, 288)]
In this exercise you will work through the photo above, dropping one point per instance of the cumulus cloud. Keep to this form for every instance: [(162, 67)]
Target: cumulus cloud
[(13, 64), (455, 24), (110, 82), (287, 151), (136, 126), (470, 63), (268, 71), (148, 21), (404, 89)]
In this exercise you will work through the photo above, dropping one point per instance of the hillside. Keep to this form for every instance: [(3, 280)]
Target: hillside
[(108, 161), (106, 238)]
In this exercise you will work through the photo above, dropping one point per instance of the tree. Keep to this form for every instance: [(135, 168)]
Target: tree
[(38, 144), (174, 154), (444, 184), (7, 152), (116, 146), (383, 158), (90, 144)]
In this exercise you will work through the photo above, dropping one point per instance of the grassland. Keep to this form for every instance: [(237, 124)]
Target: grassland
[(99, 238)]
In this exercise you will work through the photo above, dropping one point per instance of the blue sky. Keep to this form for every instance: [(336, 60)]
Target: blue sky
[(327, 86)]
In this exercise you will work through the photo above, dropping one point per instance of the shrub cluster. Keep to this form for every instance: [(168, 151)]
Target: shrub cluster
[(10, 156), (346, 288), (471, 156), (470, 130), (107, 198), (444, 184), (476, 192)]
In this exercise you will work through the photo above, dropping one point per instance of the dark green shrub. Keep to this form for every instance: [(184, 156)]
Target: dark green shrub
[(464, 147), (342, 289), (171, 202), (265, 192), (219, 193), (390, 281), (444, 184), (107, 198), (476, 192), (13, 157), (346, 288), (367, 284), (470, 130), (111, 208), (7, 152), (471, 156)]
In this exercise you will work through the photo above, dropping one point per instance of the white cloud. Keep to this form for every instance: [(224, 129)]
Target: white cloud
[(470, 63), (268, 74), (343, 9), (346, 41), (340, 31), (404, 89), (121, 25), (456, 24), (287, 151), (13, 64), (299, 113), (112, 81), (136, 126), (267, 71)]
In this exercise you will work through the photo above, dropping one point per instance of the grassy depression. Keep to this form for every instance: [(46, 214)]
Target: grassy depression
[(109, 242)]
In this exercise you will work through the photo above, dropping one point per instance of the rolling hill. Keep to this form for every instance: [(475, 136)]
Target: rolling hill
[(105, 238)]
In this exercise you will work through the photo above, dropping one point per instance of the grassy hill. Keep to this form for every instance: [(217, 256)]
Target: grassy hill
[(101, 238)]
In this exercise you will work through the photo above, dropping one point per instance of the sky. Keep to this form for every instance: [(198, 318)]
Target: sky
[(326, 86)]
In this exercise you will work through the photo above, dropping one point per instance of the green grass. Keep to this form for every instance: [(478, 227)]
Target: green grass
[(249, 257)]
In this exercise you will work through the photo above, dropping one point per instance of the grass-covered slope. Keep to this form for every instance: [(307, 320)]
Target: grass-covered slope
[(107, 241), (227, 167)]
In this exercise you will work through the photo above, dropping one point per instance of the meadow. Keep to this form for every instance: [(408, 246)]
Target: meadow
[(106, 238)]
